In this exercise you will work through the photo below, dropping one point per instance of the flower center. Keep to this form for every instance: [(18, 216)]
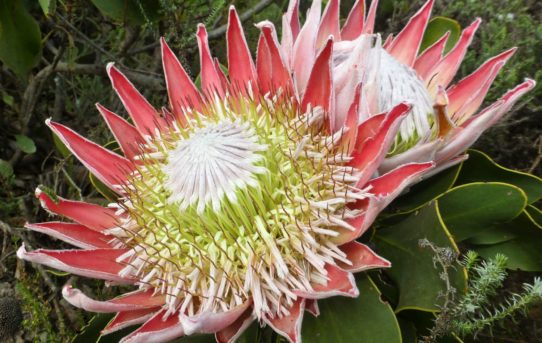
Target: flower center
[(235, 207), (215, 161), (398, 82)]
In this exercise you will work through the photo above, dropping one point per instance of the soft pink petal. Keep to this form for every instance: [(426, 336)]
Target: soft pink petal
[(348, 139), (353, 27), (429, 58), (128, 318), (280, 76), (340, 282), (93, 216), (371, 17), (390, 185), (210, 80), (311, 306), (181, 90), (369, 128), (290, 326), (349, 74), (156, 330), (370, 154), (145, 117), (230, 333), (305, 47), (444, 71), (467, 95), (293, 17), (211, 322), (96, 263), (222, 76), (475, 126), (107, 166), (126, 135), (240, 64), (75, 234), (385, 188), (407, 43), (362, 258), (132, 301), (417, 154), (329, 24), (264, 66), (319, 90), (371, 208)]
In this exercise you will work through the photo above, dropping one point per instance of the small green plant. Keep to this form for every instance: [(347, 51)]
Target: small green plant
[(469, 314)]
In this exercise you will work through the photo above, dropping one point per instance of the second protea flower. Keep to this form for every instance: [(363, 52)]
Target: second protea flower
[(240, 203), (243, 200)]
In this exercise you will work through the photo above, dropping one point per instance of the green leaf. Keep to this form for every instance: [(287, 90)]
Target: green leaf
[(102, 188), (480, 167), (472, 208), (412, 268), (524, 252), (436, 28), (363, 319), (6, 170), (20, 37), (25, 143), (425, 191), (61, 147), (48, 6), (134, 12), (8, 99), (535, 214)]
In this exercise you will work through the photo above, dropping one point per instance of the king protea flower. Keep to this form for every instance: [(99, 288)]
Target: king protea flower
[(443, 122), (243, 200)]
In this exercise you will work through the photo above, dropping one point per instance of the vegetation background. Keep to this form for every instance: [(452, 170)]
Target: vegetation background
[(52, 64)]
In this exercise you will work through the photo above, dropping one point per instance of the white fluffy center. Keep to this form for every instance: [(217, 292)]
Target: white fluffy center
[(397, 83), (215, 161)]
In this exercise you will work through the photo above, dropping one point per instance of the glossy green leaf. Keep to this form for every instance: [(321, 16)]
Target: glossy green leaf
[(472, 208), (412, 268), (480, 167), (20, 37), (524, 252), (135, 12), (493, 235), (25, 143), (92, 331), (425, 191), (344, 320), (6, 170), (535, 214), (436, 28)]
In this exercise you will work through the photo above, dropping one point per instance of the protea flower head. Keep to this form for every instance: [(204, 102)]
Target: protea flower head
[(443, 122), (243, 201)]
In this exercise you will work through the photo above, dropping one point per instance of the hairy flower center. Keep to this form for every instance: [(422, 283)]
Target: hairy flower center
[(397, 83), (279, 191), (215, 161)]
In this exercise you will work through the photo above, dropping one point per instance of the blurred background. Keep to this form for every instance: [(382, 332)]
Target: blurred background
[(52, 65)]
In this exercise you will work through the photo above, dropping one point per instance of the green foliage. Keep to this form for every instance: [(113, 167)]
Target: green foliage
[(471, 313), (25, 143), (436, 28), (135, 12), (20, 37)]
